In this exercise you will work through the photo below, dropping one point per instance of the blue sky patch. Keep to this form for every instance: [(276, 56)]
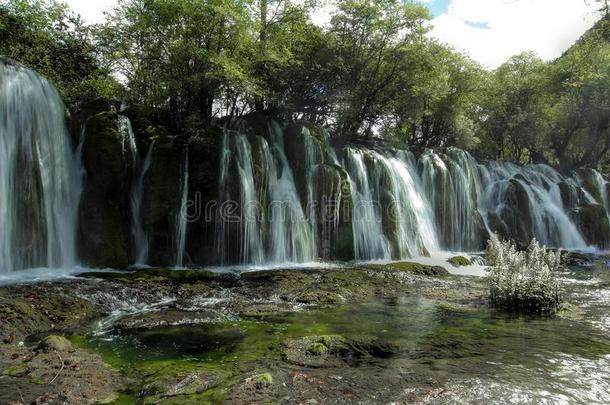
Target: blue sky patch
[(478, 24), (438, 7)]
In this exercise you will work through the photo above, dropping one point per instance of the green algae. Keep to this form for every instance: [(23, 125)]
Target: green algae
[(422, 332)]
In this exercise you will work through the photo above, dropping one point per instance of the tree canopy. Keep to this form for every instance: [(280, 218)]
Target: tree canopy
[(372, 72)]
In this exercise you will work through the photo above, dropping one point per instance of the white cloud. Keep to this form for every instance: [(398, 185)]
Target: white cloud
[(91, 10), (547, 27)]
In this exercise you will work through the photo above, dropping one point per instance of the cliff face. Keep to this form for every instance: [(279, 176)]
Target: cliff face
[(241, 183)]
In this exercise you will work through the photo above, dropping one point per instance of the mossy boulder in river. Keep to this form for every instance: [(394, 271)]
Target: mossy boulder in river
[(458, 261), (334, 351), (411, 267)]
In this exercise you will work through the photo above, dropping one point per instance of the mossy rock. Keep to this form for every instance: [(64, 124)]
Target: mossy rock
[(458, 261), (317, 349), (103, 232), (411, 267), (320, 298), (55, 343), (330, 351), (153, 275), (260, 381)]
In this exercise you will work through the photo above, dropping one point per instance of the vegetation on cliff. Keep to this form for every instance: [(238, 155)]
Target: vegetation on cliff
[(371, 72)]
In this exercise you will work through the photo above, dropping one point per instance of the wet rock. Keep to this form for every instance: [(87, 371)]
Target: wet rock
[(103, 231), (176, 382), (410, 267), (170, 317), (334, 351), (195, 383), (161, 199), (594, 225), (514, 221)]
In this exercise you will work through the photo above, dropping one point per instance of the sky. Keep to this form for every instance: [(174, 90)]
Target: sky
[(490, 31)]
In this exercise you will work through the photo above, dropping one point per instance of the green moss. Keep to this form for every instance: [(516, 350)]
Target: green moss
[(55, 343), (260, 381), (37, 380), (17, 370), (317, 349), (319, 298), (458, 261)]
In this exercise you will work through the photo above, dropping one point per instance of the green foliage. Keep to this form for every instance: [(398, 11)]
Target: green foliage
[(46, 36), (372, 72), (181, 55), (556, 113), (524, 282)]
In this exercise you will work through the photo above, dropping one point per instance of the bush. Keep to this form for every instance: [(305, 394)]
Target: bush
[(524, 282)]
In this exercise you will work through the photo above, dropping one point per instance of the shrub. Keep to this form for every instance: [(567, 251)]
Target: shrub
[(524, 282)]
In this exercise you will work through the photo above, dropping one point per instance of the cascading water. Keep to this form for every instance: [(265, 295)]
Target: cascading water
[(392, 218), (40, 175), (292, 238), (369, 241), (182, 220), (551, 224), (400, 206), (272, 226), (602, 189), (139, 170)]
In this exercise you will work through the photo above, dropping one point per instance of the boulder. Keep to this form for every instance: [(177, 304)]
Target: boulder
[(104, 218), (594, 225), (55, 343)]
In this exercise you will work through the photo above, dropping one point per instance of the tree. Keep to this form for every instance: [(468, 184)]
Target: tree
[(46, 36), (369, 41), (182, 55), (436, 103), (516, 110)]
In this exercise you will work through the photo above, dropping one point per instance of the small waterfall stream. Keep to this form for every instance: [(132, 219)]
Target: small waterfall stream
[(182, 220), (139, 170), (40, 174)]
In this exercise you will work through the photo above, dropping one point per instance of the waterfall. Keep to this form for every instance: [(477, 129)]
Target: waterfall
[(139, 170), (182, 220), (271, 226), (369, 241), (40, 175), (251, 249), (292, 237), (392, 217), (602, 188), (551, 224)]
